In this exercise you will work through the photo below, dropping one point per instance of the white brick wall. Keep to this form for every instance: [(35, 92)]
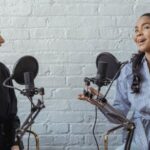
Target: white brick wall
[(66, 36)]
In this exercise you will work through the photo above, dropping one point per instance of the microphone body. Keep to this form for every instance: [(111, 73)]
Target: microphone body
[(101, 77), (29, 82), (101, 73), (102, 70)]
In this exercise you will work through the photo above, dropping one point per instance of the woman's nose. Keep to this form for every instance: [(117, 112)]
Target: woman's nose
[(140, 32)]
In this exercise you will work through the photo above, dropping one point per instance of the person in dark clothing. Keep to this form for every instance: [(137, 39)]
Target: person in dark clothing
[(9, 120)]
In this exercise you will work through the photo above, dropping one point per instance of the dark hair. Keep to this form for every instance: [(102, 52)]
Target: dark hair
[(136, 65), (146, 14)]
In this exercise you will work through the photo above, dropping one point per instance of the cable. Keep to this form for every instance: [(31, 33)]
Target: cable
[(93, 130), (28, 144), (95, 121), (123, 64), (9, 86)]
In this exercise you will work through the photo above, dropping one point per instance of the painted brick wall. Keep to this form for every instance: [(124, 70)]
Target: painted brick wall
[(66, 36)]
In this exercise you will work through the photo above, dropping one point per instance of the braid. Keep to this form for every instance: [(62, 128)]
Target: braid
[(136, 63)]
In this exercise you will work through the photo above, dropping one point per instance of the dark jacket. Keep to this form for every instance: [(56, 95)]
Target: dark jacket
[(8, 107)]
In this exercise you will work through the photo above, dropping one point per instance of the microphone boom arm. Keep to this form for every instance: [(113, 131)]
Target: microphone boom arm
[(30, 119), (108, 69), (106, 108)]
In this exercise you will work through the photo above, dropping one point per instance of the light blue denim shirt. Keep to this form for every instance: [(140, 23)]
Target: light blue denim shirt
[(125, 100)]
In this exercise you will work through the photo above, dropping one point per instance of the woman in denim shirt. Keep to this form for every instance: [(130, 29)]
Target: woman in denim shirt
[(133, 88)]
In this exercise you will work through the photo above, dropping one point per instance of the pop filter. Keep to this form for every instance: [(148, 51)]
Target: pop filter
[(113, 65), (23, 65)]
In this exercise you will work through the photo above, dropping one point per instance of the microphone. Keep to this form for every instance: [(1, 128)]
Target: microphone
[(101, 70), (108, 69), (29, 82), (101, 73), (101, 77)]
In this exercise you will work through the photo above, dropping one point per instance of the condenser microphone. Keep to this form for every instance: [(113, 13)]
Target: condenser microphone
[(108, 69), (111, 68), (101, 70), (100, 79), (29, 81)]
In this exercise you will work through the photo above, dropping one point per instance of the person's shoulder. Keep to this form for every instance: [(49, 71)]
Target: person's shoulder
[(3, 65), (4, 71)]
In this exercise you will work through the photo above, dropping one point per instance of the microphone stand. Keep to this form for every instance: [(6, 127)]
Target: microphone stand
[(35, 110), (124, 122), (130, 128), (105, 107)]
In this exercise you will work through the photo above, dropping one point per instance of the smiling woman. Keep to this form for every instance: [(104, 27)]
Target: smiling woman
[(142, 35), (132, 88), (9, 120)]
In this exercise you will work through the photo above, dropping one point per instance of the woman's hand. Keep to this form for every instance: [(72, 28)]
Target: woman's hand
[(92, 91), (82, 97), (15, 147)]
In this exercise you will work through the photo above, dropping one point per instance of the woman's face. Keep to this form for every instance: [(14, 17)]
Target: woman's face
[(1, 40), (142, 34)]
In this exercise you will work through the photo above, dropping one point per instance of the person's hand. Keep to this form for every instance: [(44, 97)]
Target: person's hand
[(94, 92), (91, 90), (15, 147), (82, 97)]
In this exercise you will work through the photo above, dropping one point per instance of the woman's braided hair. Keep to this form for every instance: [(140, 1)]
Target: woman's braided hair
[(136, 63)]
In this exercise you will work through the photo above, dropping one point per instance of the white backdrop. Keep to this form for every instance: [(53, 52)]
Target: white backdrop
[(66, 36)]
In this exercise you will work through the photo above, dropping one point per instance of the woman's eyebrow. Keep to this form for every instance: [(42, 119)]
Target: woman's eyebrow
[(136, 27), (146, 23), (142, 24)]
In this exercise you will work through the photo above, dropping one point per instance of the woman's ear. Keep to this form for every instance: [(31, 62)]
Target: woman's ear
[(1, 40)]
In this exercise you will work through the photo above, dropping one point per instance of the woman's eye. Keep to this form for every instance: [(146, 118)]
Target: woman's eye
[(147, 27), (136, 30)]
